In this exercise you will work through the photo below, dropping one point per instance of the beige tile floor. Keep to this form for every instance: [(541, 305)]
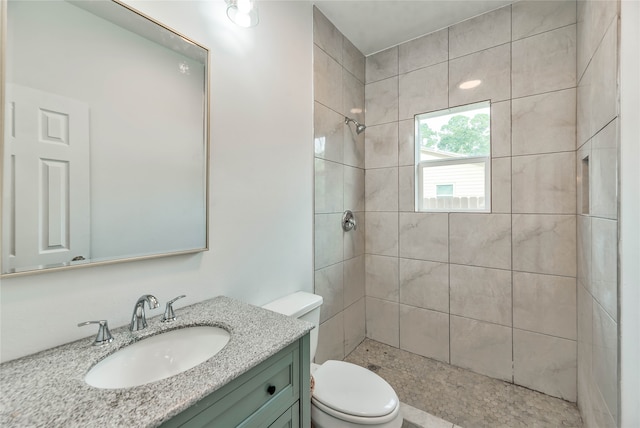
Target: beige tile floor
[(458, 397)]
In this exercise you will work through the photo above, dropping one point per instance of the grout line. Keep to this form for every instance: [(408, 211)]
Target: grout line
[(511, 183), (449, 215)]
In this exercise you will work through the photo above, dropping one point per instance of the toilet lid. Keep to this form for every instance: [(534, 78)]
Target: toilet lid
[(353, 390)]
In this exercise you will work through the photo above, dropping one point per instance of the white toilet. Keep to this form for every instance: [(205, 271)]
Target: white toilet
[(345, 395)]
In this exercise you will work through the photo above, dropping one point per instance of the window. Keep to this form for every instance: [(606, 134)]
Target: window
[(444, 190), (453, 159)]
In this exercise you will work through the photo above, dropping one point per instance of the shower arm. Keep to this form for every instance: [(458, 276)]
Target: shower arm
[(360, 127)]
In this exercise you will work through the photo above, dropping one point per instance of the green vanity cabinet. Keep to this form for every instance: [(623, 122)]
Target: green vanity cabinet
[(275, 393)]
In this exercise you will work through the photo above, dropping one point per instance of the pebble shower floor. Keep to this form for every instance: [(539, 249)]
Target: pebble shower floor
[(460, 396)]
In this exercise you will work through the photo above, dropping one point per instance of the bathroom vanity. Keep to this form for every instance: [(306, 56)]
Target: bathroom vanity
[(259, 379)]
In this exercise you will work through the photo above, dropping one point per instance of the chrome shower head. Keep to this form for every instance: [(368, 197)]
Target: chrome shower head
[(359, 127)]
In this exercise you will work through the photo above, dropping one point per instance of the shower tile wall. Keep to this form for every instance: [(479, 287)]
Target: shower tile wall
[(597, 148), (494, 293), (339, 70)]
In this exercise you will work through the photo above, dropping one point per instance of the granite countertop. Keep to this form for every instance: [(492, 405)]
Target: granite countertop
[(48, 388)]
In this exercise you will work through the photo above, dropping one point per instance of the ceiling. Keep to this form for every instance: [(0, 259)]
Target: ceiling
[(374, 25)]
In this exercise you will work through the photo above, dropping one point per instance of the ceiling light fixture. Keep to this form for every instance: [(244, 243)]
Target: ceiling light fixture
[(470, 84), (243, 13)]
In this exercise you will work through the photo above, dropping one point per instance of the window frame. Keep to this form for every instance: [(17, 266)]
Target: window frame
[(421, 165)]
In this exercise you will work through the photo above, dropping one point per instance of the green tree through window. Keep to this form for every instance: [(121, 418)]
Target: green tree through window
[(461, 134)]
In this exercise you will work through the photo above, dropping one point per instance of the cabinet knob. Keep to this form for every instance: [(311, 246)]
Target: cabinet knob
[(271, 389)]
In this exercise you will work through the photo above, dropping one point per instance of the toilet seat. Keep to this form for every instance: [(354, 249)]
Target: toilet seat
[(354, 394), (358, 420)]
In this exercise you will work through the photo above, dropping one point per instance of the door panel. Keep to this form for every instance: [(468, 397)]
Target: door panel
[(47, 198)]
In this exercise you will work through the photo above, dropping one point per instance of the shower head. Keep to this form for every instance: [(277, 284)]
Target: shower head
[(359, 127)]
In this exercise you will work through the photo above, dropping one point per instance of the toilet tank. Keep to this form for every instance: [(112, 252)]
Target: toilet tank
[(301, 305)]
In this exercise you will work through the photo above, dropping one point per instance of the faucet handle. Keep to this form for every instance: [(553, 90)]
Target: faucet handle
[(169, 315), (104, 335)]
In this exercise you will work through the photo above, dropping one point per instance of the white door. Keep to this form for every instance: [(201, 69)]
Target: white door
[(47, 180)]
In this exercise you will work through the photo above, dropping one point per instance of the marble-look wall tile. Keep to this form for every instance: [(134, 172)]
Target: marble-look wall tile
[(381, 189), (491, 66), (423, 90), (545, 304), (482, 294), (354, 326), (383, 322), (544, 244), (603, 172), (382, 65), (326, 72), (599, 85), (327, 133), (545, 62), (381, 277), (423, 51), (327, 36), (424, 236), (406, 190), (597, 106), (353, 188), (481, 347), (381, 101), (501, 129), (545, 363), (481, 240), (601, 413), (329, 194), (354, 240), (406, 142), (354, 280), (604, 263), (329, 284), (594, 18), (593, 408), (353, 60), (544, 184), (583, 249), (583, 108), (424, 332), (353, 146), (544, 123), (585, 332), (328, 240), (479, 33), (382, 145), (424, 284), (331, 340), (532, 17), (381, 236), (352, 97), (605, 357), (501, 185)]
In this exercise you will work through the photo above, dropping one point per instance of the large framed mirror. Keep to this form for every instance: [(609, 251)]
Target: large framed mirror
[(105, 136)]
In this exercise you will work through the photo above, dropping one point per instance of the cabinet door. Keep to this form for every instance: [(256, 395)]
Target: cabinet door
[(270, 390), (288, 419), (255, 399)]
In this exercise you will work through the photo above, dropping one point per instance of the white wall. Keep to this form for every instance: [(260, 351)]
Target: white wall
[(629, 215), (260, 188)]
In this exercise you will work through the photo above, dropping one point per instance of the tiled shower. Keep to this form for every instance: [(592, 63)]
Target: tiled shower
[(526, 293)]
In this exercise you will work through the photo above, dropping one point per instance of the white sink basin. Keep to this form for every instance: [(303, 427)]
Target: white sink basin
[(158, 357)]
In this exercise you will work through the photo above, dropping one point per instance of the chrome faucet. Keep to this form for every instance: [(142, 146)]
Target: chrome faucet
[(138, 319)]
